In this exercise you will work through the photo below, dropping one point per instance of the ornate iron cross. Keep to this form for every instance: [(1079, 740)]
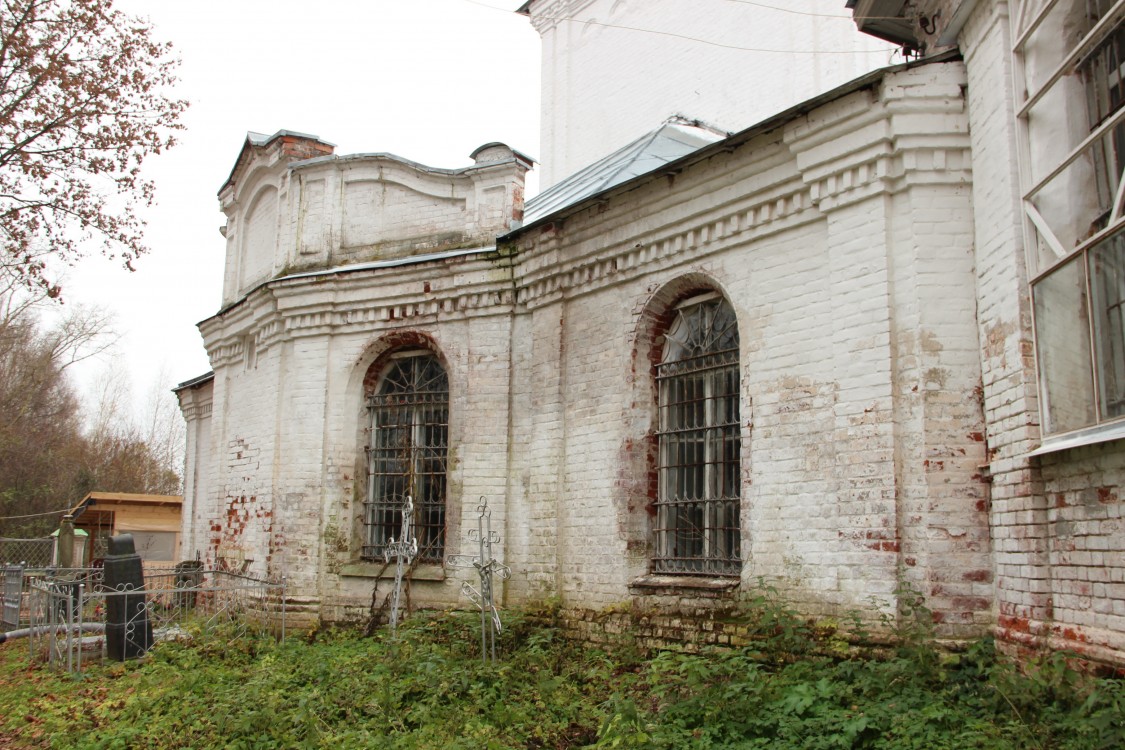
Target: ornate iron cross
[(487, 567), (403, 551)]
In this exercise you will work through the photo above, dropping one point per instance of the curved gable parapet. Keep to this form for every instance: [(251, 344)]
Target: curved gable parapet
[(372, 207), (327, 211), (260, 235), (254, 199)]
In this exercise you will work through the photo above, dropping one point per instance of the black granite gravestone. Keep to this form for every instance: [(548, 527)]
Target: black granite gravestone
[(128, 632)]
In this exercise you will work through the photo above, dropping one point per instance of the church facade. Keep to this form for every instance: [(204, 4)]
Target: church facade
[(816, 352)]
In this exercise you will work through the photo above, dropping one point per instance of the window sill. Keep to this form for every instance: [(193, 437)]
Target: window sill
[(427, 572), (1102, 433), (667, 584)]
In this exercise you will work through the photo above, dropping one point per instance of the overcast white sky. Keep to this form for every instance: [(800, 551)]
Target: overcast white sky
[(429, 80)]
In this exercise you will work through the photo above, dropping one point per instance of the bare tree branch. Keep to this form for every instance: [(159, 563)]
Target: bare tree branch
[(83, 103)]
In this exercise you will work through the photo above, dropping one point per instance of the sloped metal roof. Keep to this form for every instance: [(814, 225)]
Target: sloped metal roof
[(675, 138)]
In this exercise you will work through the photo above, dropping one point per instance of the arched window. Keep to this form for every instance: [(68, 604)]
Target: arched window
[(409, 419), (697, 529)]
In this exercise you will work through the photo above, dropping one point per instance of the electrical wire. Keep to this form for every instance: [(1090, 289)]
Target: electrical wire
[(35, 515), (694, 38), (790, 10), (814, 15), (743, 2)]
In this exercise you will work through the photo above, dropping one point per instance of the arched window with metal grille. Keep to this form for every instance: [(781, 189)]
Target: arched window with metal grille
[(697, 525), (409, 444)]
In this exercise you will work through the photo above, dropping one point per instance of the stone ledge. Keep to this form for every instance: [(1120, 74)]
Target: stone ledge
[(664, 584), (376, 570)]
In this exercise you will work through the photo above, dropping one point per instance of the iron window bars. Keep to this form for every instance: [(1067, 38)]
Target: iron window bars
[(698, 531), (409, 420)]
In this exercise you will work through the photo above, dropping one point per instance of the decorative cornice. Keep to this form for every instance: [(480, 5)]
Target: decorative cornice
[(342, 316), (193, 412), (849, 182), (638, 254)]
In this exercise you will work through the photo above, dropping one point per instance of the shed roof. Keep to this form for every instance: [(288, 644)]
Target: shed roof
[(125, 498)]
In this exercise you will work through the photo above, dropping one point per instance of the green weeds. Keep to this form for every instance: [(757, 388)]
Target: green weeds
[(791, 686)]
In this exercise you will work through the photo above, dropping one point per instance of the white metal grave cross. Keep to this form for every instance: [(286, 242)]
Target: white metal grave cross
[(403, 551), (487, 568)]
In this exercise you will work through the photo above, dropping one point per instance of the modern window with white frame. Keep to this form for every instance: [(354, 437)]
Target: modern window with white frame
[(408, 415), (697, 529)]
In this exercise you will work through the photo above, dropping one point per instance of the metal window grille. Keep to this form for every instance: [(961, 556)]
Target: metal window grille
[(409, 419), (698, 529)]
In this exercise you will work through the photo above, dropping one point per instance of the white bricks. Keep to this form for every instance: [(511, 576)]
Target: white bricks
[(861, 433)]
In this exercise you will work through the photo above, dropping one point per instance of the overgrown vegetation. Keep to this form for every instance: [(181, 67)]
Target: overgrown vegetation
[(795, 686)]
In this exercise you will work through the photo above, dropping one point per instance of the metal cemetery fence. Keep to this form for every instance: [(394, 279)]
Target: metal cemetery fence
[(69, 623), (11, 588), (30, 553)]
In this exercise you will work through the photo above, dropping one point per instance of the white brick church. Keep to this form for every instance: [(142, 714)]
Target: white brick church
[(792, 315)]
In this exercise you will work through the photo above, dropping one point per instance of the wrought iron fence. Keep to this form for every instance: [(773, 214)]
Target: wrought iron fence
[(30, 553), (69, 623), (12, 592)]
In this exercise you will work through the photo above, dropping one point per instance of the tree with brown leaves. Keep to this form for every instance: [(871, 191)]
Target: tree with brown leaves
[(83, 102)]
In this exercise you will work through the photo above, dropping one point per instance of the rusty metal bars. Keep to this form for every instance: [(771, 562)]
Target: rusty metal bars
[(697, 528), (409, 417)]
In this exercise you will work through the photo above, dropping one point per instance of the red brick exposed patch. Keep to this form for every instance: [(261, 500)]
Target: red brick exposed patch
[(971, 603), (393, 342), (979, 576), (976, 436), (1014, 624), (884, 546), (1072, 634), (1107, 495)]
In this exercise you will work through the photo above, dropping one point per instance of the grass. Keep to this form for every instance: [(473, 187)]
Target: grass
[(428, 689)]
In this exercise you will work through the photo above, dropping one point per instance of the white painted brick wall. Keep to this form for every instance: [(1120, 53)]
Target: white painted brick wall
[(888, 382), (613, 71), (861, 430), (1055, 521)]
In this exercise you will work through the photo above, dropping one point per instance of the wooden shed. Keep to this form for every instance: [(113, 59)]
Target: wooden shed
[(153, 520)]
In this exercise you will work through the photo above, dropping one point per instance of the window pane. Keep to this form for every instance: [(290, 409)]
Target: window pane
[(1062, 337), (1107, 286), (155, 545)]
